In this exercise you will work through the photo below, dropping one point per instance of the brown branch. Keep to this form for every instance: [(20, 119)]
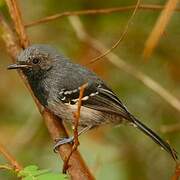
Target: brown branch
[(176, 173), (159, 27), (18, 22), (77, 168), (123, 35), (170, 128), (16, 166), (75, 124), (77, 113), (7, 167), (123, 65), (152, 7)]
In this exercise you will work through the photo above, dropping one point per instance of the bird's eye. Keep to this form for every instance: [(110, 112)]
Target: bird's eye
[(35, 61)]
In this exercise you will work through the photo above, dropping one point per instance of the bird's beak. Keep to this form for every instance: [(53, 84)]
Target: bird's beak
[(18, 66)]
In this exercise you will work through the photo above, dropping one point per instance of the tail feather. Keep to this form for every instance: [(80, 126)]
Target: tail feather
[(154, 137)]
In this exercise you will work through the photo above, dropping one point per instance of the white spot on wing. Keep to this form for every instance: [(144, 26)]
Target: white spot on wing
[(61, 92), (63, 98), (74, 100), (94, 94), (68, 92), (85, 98), (75, 90)]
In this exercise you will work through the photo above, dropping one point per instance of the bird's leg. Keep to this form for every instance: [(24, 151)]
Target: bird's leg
[(64, 140)]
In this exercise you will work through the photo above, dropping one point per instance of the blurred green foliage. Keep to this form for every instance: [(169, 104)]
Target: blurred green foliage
[(32, 172), (111, 153)]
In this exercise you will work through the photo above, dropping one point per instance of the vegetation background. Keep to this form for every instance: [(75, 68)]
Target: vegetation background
[(112, 153)]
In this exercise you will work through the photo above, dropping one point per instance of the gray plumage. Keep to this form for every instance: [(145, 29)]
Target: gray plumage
[(55, 81)]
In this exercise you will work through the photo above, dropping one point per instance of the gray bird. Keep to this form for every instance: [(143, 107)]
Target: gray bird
[(56, 82)]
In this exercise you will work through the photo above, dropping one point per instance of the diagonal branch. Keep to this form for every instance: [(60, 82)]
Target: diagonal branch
[(16, 166), (159, 27), (18, 22), (77, 168), (152, 7)]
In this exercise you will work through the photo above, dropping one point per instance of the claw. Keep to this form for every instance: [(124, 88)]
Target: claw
[(58, 139), (62, 141)]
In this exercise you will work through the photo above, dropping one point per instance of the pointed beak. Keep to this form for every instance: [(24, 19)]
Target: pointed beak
[(18, 66)]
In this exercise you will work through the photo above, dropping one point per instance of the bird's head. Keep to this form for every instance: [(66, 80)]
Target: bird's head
[(36, 60)]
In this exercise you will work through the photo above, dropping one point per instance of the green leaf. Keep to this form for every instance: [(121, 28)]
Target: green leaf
[(32, 172), (52, 176)]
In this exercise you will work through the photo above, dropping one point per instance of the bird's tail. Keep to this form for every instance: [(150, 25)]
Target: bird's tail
[(154, 137)]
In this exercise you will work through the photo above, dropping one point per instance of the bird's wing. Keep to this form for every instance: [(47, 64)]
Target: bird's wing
[(96, 96)]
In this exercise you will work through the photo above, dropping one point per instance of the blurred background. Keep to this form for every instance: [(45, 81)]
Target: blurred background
[(111, 152)]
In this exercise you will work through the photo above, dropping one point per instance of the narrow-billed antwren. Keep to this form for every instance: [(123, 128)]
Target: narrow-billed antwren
[(56, 82)]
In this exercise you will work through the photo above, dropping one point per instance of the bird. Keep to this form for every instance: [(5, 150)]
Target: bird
[(56, 82)]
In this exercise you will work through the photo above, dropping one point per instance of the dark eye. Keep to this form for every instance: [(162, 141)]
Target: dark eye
[(35, 61)]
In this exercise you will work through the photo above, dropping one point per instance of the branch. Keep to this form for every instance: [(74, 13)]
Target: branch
[(152, 7), (77, 113), (75, 124), (16, 166), (77, 168), (18, 22), (176, 173), (121, 37), (170, 128), (6, 167), (159, 27), (123, 65)]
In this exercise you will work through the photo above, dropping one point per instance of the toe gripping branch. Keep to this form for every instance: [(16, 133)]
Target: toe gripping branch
[(60, 141)]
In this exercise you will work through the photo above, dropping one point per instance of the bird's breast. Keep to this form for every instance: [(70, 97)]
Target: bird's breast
[(39, 91)]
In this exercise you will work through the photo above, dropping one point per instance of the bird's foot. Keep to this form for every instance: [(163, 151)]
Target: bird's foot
[(61, 141)]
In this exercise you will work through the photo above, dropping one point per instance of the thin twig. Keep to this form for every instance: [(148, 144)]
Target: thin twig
[(123, 35), (159, 27), (123, 65), (75, 124), (16, 166), (152, 7), (77, 115)]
